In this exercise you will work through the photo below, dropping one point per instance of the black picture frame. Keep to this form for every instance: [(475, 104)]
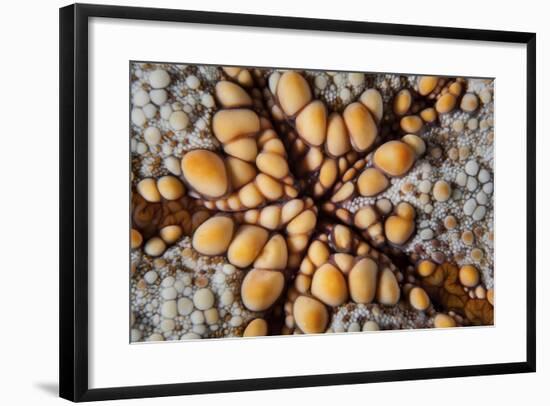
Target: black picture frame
[(73, 282)]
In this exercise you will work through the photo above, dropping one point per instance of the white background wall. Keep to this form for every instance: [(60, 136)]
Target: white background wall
[(29, 195)]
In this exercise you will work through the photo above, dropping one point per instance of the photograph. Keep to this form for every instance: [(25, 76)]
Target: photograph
[(275, 201), (269, 203)]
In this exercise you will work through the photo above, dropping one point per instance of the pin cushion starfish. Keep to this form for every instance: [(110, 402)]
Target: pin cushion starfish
[(270, 202)]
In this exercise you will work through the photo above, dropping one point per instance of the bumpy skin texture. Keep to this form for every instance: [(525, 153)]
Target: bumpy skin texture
[(286, 202)]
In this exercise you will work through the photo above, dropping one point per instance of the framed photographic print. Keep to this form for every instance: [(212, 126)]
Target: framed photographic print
[(236, 219)]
